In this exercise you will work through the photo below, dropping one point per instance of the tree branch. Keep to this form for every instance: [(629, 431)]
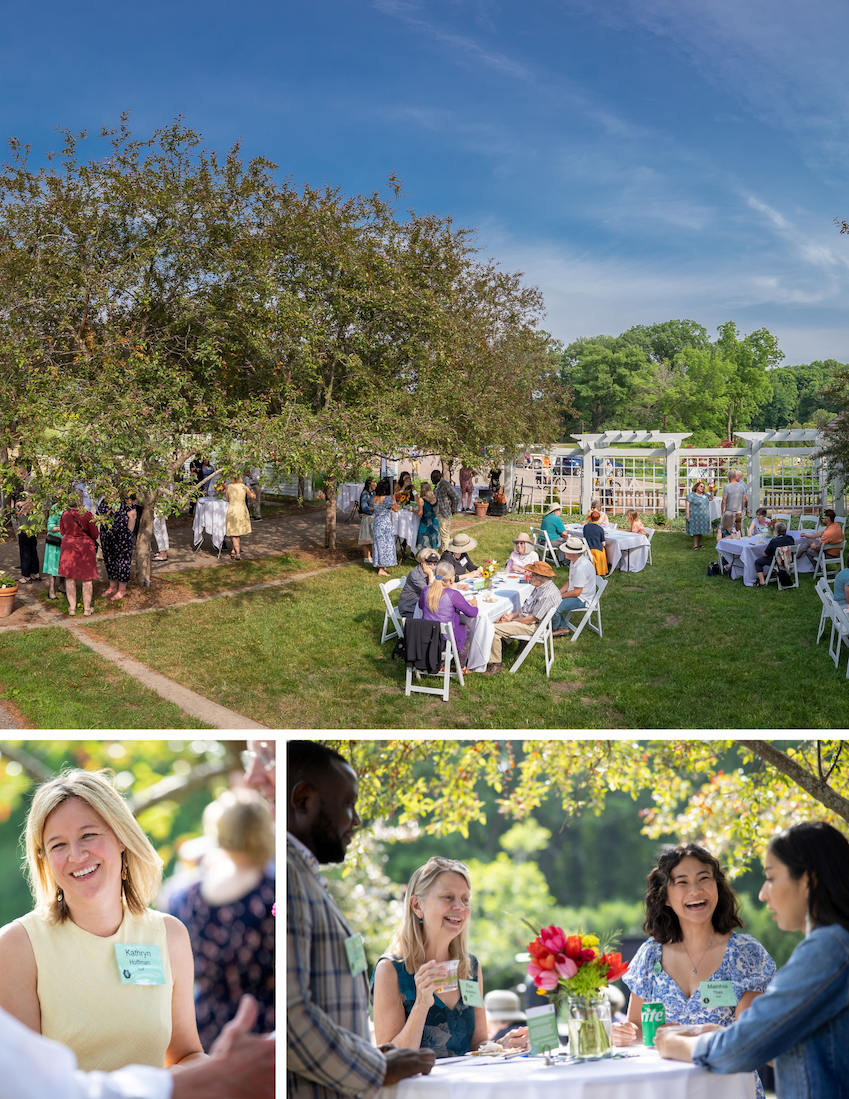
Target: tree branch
[(817, 788), (178, 785), (33, 766)]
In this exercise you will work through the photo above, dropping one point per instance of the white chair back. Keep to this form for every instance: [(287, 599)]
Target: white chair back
[(784, 516), (451, 657), (543, 635), (649, 535), (809, 522), (824, 592), (841, 522), (825, 562), (840, 628), (775, 564), (594, 608), (391, 615), (543, 542)]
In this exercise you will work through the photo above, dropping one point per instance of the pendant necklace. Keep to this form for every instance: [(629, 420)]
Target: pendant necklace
[(699, 962)]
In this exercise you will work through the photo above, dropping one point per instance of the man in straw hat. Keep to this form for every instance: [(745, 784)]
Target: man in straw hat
[(457, 555), (524, 622), (579, 589)]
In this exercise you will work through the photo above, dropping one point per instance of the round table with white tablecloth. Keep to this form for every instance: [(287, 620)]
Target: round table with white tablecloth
[(508, 595), (210, 516), (346, 494), (641, 1075), (742, 553), (633, 547)]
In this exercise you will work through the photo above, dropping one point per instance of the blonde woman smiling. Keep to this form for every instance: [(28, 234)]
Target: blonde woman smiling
[(72, 968), (408, 1010)]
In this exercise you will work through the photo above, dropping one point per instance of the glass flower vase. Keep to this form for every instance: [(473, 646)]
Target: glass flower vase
[(589, 1024)]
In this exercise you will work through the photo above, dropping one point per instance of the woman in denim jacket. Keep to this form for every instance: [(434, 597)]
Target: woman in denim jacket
[(802, 1020)]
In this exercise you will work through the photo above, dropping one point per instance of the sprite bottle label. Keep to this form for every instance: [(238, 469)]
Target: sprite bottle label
[(652, 1016)]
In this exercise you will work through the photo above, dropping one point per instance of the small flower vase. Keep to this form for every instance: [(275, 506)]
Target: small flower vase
[(589, 1025)]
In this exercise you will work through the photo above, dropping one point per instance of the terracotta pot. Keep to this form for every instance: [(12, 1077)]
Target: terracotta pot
[(7, 600), (480, 508)]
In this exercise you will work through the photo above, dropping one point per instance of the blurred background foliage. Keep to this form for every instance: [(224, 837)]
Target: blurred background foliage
[(168, 782), (572, 865)]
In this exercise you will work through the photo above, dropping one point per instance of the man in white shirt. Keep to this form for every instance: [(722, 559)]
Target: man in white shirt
[(241, 1064), (579, 589)]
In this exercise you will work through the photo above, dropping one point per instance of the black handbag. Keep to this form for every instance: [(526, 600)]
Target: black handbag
[(714, 569), (53, 539)]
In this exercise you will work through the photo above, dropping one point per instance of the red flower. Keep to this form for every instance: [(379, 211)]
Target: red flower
[(541, 955), (615, 966), (574, 950)]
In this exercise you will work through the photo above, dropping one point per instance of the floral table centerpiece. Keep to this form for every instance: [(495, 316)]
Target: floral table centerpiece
[(576, 968), (488, 570)]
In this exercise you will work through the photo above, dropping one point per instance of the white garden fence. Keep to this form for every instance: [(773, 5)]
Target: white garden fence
[(611, 467)]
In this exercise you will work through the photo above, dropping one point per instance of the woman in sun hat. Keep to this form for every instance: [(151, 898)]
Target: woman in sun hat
[(457, 554), (409, 1009), (523, 554), (692, 916), (93, 874)]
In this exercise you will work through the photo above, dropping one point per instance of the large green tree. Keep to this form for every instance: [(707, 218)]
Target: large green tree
[(604, 374), (747, 360)]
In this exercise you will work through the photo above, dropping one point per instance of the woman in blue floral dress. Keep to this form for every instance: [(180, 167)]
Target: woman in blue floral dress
[(697, 507), (692, 915), (383, 536), (411, 1008)]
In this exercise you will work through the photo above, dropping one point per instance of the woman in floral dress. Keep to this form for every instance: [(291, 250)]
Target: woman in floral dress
[(117, 541), (697, 513), (383, 544)]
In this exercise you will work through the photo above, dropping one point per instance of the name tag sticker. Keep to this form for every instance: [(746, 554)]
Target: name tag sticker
[(542, 1029), (718, 994), (356, 954), (471, 993), (139, 964)]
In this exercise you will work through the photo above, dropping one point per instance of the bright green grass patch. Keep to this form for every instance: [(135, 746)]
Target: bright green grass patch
[(680, 650), (57, 683)]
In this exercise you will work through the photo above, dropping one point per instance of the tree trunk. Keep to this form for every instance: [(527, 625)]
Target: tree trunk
[(330, 514), (144, 537), (818, 788), (730, 414), (301, 489), (446, 467)]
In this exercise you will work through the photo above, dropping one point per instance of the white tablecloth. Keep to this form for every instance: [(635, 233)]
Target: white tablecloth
[(637, 545), (406, 525), (643, 1076), (211, 516), (743, 552), (716, 508), (346, 494)]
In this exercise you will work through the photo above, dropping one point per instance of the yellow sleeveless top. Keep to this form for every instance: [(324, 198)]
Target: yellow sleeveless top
[(83, 1003)]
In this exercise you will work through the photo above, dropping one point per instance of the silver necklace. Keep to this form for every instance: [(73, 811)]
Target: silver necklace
[(699, 962)]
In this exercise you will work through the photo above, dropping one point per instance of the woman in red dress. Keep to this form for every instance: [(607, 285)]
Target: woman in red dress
[(77, 560)]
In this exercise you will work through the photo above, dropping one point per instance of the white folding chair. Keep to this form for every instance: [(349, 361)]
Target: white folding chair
[(839, 631), (542, 635), (649, 535), (543, 542), (827, 599), (450, 656), (784, 516), (809, 522), (391, 614), (594, 608), (841, 522), (774, 566), (824, 562)]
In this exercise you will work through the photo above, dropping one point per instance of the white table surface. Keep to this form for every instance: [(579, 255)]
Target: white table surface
[(743, 552), (211, 516), (405, 524), (346, 494), (645, 1075), (620, 540)]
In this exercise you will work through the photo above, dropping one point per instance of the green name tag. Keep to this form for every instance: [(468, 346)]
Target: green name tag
[(139, 964), (356, 954), (542, 1028), (718, 994), (470, 991)]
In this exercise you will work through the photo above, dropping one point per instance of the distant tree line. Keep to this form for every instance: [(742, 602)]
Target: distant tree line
[(673, 377)]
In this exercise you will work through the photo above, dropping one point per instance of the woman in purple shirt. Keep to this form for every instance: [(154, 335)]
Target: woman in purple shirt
[(441, 603)]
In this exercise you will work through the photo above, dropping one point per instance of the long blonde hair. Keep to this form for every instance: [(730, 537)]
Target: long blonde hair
[(143, 865), (443, 571), (408, 943)]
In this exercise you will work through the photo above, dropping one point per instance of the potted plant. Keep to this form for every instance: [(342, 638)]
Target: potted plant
[(8, 591)]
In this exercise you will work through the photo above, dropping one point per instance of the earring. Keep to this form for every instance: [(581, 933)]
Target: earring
[(809, 926), (59, 896)]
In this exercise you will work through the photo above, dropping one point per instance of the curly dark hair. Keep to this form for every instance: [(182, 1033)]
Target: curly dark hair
[(384, 487), (661, 922)]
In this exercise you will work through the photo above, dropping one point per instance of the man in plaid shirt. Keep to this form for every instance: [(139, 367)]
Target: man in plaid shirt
[(329, 1053), (523, 624)]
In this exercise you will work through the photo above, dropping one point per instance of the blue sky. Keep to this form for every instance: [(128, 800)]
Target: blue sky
[(637, 159)]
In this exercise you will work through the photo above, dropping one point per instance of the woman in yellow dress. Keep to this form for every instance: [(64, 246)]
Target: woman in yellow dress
[(92, 965), (238, 516)]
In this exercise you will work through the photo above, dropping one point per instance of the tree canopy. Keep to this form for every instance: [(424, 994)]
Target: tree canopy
[(733, 812)]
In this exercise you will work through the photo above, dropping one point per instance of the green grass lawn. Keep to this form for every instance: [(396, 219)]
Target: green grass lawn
[(680, 650), (57, 683)]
